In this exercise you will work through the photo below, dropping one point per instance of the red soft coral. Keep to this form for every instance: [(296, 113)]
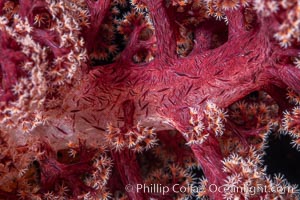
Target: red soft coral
[(126, 74)]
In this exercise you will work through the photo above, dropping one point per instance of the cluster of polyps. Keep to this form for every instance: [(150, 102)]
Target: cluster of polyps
[(212, 122), (247, 178), (292, 126), (217, 8), (291, 119), (40, 79), (289, 30), (30, 90), (138, 138)]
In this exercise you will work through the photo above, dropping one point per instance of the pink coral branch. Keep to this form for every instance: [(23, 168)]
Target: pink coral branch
[(209, 157), (129, 170), (201, 78), (134, 45), (98, 11), (163, 24), (203, 39), (290, 75), (48, 38), (236, 23)]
